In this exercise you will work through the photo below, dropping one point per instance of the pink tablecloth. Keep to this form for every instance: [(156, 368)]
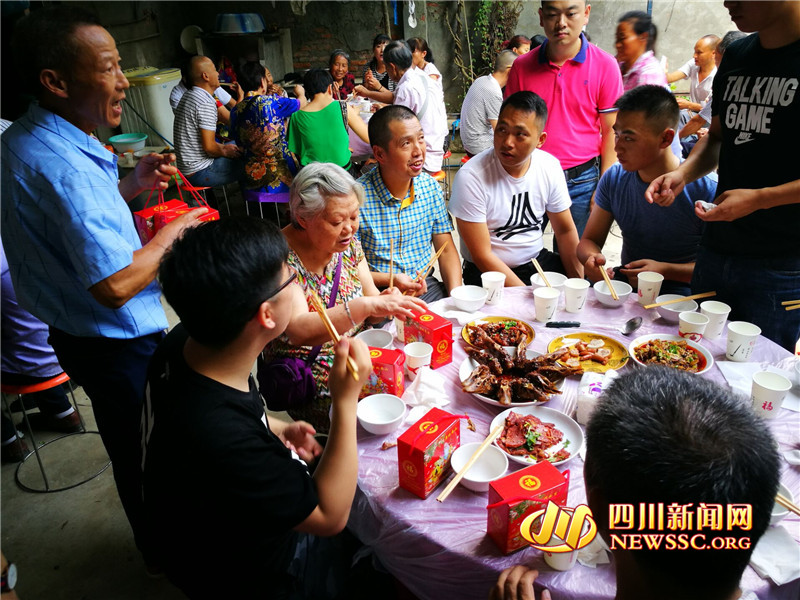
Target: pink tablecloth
[(440, 550)]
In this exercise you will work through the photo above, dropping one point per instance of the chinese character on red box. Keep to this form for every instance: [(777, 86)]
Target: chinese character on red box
[(145, 218), (432, 329), (387, 373), (424, 451), (515, 496)]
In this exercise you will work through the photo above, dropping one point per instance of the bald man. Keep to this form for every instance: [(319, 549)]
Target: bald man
[(203, 160), (700, 70)]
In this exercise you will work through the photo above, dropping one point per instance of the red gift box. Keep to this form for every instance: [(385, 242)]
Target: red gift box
[(432, 329), (387, 373), (145, 218), (519, 494), (424, 451)]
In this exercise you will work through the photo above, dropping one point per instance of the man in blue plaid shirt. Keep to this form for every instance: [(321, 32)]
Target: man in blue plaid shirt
[(406, 205)]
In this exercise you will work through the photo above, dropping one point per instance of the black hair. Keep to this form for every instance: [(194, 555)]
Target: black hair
[(517, 41), (378, 127), (641, 23), (418, 43), (656, 102), (529, 102), (316, 81), (728, 39), (216, 275), (537, 40), (45, 39), (398, 53), (338, 52), (658, 435), (250, 75), (381, 38)]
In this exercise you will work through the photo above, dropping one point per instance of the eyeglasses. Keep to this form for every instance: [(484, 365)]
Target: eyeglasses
[(292, 277)]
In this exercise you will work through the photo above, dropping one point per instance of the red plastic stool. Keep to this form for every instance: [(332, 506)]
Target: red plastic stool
[(21, 390)]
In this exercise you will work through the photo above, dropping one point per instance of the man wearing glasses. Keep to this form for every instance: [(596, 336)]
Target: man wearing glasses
[(579, 83)]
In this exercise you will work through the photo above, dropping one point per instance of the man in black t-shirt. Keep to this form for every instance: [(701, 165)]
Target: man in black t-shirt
[(227, 498), (750, 253)]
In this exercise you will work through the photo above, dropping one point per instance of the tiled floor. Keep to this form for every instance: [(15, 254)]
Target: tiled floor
[(76, 544)]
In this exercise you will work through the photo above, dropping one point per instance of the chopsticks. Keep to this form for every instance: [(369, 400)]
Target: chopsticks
[(541, 273), (424, 273), (391, 263), (788, 504), (692, 297), (608, 283), (791, 304), (326, 320), (481, 449)]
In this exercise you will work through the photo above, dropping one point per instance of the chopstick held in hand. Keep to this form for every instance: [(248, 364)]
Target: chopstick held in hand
[(611, 289), (391, 263), (326, 320)]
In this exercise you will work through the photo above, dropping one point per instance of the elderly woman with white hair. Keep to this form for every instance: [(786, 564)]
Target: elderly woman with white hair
[(326, 256)]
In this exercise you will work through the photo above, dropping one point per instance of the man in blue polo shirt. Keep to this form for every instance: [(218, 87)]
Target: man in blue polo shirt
[(76, 259), (405, 205)]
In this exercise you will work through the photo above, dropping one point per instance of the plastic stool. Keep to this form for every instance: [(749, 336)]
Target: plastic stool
[(21, 390)]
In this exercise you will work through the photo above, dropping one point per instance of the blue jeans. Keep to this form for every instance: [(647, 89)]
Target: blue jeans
[(221, 172), (113, 373), (754, 288), (580, 191)]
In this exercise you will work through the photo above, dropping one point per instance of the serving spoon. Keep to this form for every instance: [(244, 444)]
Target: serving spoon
[(627, 328)]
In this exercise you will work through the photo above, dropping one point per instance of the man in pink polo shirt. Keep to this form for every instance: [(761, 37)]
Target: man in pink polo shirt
[(579, 83)]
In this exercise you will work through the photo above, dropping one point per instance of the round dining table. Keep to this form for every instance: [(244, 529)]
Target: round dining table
[(441, 550)]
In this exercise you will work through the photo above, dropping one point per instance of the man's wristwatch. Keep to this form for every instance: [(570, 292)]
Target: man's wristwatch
[(9, 579)]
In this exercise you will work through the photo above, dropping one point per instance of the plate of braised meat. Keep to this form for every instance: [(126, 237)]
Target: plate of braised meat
[(517, 376), (504, 331), (535, 433)]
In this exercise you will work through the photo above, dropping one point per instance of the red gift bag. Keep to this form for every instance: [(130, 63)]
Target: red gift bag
[(145, 219), (162, 217)]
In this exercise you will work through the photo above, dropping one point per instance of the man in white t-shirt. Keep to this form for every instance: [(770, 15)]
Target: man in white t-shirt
[(203, 160), (482, 105), (418, 92), (500, 198)]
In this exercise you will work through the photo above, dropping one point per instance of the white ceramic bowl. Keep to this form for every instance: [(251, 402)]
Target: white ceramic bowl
[(778, 511), (642, 339), (469, 298), (491, 465), (376, 338), (604, 296), (671, 312), (128, 142), (556, 280), (381, 413)]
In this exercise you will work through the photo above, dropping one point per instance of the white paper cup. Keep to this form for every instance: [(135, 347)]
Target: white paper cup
[(717, 313), (560, 561), (575, 293), (769, 390), (493, 282), (649, 286), (742, 338), (546, 301), (692, 325), (418, 355)]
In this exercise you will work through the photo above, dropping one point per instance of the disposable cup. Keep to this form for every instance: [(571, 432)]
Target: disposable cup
[(692, 325), (769, 390), (649, 286), (717, 313), (575, 293), (742, 338), (560, 561), (493, 282), (418, 355), (546, 301)]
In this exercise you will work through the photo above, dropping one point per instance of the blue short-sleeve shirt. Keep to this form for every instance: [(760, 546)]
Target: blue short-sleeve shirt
[(66, 227)]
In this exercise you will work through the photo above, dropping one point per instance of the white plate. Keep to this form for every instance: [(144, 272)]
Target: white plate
[(671, 338), (468, 365), (571, 430)]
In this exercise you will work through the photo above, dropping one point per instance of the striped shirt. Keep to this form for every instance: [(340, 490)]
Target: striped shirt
[(481, 104), (383, 78), (412, 228), (197, 110)]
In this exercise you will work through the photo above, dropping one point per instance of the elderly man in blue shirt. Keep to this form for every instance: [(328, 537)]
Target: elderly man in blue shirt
[(76, 259)]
